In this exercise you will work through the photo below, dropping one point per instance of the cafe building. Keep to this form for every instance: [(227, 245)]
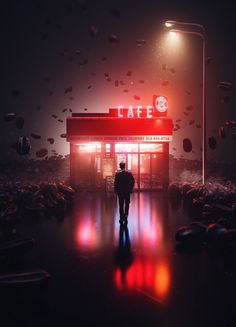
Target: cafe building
[(138, 136)]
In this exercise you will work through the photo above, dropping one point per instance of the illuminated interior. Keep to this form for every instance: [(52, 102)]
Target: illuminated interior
[(95, 163)]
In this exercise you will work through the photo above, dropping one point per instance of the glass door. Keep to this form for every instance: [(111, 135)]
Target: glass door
[(145, 171)]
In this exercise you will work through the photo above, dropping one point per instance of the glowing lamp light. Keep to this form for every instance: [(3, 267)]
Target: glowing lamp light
[(160, 103), (167, 24)]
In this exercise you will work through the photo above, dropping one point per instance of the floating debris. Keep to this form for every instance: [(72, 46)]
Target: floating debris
[(93, 30), (136, 97), (187, 145), (225, 86), (212, 142), (10, 116), (23, 145), (51, 140), (113, 39), (35, 136), (41, 153), (140, 43), (222, 132), (165, 83)]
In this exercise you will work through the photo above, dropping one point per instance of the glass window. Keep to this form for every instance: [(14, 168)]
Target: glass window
[(151, 147), (126, 147), (89, 147)]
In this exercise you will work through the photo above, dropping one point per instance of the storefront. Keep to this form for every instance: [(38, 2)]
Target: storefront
[(137, 136)]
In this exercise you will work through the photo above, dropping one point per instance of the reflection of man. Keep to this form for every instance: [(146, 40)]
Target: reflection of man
[(124, 184), (124, 256)]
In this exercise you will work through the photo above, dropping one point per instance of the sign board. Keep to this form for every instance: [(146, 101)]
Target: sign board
[(127, 138)]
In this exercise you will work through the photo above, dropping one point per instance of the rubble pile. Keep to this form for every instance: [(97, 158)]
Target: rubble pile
[(18, 199), (54, 169), (213, 205)]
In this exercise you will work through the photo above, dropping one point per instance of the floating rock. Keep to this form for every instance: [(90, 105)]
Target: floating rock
[(212, 142), (63, 135), (113, 39), (51, 140), (23, 145), (165, 83), (225, 86), (140, 43), (68, 89), (41, 153), (189, 108), (222, 132), (10, 116), (35, 136), (93, 30), (187, 145)]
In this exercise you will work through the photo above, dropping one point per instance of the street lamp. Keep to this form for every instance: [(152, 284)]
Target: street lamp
[(180, 27)]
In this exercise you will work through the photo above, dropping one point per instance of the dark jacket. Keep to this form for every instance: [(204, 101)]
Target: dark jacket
[(124, 182)]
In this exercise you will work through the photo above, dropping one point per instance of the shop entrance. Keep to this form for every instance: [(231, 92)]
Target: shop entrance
[(146, 161), (96, 164)]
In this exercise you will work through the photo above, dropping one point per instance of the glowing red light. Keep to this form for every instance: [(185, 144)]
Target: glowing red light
[(162, 280), (160, 103), (118, 281)]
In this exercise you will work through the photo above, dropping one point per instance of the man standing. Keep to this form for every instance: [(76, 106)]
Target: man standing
[(124, 184)]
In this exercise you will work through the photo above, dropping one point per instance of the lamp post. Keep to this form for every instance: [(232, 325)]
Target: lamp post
[(180, 27)]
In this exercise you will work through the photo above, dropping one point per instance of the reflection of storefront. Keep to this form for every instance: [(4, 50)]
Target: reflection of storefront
[(99, 142)]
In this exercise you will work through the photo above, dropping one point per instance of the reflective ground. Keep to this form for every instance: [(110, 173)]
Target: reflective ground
[(105, 275)]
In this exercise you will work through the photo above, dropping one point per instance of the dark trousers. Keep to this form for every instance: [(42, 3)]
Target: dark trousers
[(124, 201)]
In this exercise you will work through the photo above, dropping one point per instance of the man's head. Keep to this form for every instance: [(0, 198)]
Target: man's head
[(122, 165)]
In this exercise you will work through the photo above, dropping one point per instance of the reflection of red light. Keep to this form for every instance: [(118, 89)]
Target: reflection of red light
[(162, 280), (139, 274), (86, 235), (118, 278), (149, 274), (144, 275), (130, 277)]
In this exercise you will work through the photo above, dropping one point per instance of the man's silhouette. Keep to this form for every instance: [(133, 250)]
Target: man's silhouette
[(124, 184)]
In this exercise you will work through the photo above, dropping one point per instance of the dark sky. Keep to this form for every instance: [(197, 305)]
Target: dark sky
[(50, 46)]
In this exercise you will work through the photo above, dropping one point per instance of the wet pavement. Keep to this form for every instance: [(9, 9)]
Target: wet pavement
[(105, 275)]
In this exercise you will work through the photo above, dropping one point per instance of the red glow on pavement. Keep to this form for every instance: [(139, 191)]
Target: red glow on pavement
[(162, 280), (130, 277), (86, 235), (143, 274), (118, 281)]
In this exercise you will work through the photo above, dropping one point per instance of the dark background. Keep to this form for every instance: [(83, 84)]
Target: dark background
[(49, 46)]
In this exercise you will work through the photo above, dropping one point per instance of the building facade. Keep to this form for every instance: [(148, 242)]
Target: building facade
[(137, 136)]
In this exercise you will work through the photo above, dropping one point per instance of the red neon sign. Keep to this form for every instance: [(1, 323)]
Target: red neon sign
[(158, 109)]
